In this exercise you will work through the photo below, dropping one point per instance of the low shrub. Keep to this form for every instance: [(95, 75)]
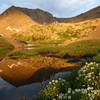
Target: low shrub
[(97, 58), (53, 89), (82, 84), (89, 76)]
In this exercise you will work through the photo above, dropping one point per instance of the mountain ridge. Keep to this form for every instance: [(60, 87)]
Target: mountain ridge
[(90, 14), (36, 15), (44, 17)]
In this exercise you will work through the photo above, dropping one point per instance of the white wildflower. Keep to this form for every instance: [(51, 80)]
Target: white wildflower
[(69, 97)]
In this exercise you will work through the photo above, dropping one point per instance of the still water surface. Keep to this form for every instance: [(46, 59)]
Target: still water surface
[(9, 92)]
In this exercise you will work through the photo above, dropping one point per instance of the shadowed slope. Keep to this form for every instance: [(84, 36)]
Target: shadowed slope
[(38, 15)]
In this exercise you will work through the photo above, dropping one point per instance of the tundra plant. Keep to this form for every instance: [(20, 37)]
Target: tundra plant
[(54, 88), (87, 85), (89, 76)]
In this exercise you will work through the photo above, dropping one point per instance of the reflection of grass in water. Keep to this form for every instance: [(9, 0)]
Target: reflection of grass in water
[(5, 47)]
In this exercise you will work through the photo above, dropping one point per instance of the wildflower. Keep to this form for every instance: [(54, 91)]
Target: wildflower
[(54, 99), (56, 81), (69, 97), (90, 88), (97, 77), (64, 80), (49, 82), (92, 68), (93, 83), (73, 92), (89, 94), (77, 90), (61, 95), (69, 90), (84, 91), (53, 80), (89, 79), (57, 95), (86, 63), (91, 63), (59, 78), (83, 85)]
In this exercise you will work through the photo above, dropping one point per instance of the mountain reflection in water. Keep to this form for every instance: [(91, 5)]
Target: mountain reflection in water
[(9, 92)]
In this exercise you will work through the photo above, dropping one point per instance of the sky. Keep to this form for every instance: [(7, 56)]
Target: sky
[(59, 8)]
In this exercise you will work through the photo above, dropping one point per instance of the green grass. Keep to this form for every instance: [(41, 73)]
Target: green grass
[(38, 48), (5, 47), (97, 58), (23, 54), (47, 43), (81, 48)]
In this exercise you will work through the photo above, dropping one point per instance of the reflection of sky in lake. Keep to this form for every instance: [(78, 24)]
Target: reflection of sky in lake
[(9, 92)]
